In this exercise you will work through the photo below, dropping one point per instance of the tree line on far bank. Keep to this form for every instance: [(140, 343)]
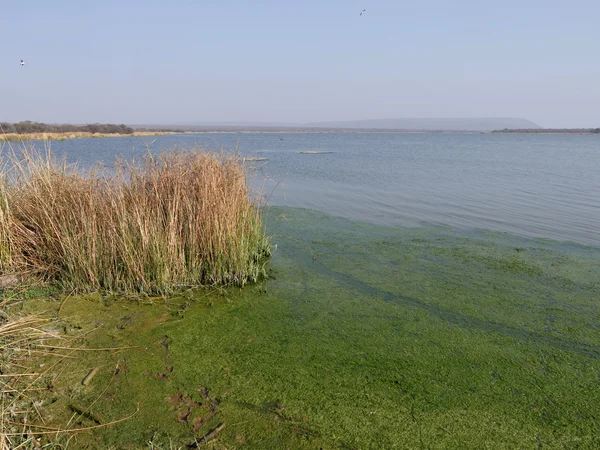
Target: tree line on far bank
[(28, 126)]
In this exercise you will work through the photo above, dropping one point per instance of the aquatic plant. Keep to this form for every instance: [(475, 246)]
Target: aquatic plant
[(179, 219)]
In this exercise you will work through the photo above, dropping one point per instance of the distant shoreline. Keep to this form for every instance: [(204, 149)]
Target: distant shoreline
[(550, 131), (307, 130), (16, 137)]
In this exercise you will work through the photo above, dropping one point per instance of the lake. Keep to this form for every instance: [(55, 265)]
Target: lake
[(392, 316), (531, 185)]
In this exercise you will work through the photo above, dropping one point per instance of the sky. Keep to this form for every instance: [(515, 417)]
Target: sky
[(233, 61)]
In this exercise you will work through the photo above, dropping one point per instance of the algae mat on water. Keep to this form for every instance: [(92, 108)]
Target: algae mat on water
[(364, 337)]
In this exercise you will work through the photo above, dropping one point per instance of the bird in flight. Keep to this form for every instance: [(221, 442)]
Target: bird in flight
[(22, 63), (361, 13)]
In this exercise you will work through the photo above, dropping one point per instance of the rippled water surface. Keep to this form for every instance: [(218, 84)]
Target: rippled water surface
[(532, 185)]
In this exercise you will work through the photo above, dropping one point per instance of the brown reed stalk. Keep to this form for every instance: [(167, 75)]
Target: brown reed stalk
[(166, 222)]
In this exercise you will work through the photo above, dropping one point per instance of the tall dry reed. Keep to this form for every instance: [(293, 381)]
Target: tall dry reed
[(170, 221)]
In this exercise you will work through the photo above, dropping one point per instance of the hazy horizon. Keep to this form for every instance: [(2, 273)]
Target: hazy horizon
[(234, 62), (433, 124), (358, 123)]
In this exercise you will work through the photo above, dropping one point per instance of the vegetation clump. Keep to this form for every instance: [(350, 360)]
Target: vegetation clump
[(152, 226), (28, 127)]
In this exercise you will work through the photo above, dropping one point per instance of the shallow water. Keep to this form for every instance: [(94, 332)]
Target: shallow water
[(531, 185), (363, 337)]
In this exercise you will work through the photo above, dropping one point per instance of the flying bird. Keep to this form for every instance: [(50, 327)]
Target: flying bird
[(22, 63), (361, 13)]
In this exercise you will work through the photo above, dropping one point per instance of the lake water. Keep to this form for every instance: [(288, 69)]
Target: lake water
[(530, 185)]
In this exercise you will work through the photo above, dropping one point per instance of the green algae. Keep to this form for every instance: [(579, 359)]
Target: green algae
[(364, 337)]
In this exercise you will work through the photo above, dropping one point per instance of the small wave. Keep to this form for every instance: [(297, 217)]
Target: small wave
[(255, 159)]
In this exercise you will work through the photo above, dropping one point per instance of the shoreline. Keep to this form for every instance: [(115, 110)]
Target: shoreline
[(14, 137), (550, 131)]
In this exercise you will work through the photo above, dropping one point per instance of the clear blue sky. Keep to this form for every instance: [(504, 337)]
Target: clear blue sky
[(280, 61)]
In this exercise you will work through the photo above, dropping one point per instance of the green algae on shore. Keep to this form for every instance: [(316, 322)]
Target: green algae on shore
[(364, 337)]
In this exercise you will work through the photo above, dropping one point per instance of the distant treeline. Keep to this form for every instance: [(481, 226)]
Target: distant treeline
[(36, 127), (552, 130)]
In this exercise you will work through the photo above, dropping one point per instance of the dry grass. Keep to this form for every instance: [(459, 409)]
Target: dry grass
[(163, 223), (25, 385), (15, 137), (18, 339)]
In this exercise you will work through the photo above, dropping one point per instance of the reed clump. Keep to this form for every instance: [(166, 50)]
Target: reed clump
[(179, 219)]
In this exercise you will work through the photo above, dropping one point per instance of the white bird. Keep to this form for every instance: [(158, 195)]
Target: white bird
[(22, 63), (361, 13)]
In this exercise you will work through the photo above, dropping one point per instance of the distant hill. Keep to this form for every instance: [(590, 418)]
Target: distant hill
[(381, 125), (483, 124)]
